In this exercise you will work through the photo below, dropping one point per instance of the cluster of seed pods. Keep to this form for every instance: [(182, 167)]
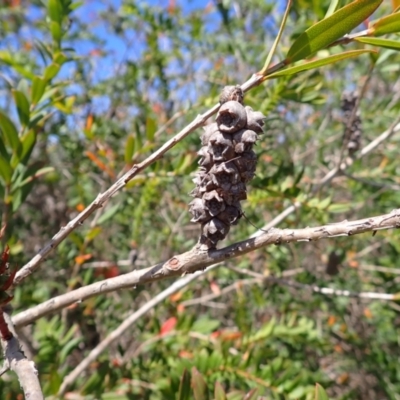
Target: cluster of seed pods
[(227, 163), (352, 123)]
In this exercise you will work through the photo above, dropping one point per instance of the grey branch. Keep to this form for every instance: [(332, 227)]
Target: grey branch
[(197, 260), (25, 369)]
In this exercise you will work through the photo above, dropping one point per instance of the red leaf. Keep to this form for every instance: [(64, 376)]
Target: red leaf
[(168, 325)]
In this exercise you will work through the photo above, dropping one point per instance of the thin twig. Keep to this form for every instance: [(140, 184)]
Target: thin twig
[(335, 292), (318, 289), (196, 259)]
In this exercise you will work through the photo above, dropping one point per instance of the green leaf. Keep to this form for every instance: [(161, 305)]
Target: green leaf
[(38, 87), (5, 170), (219, 392), (59, 58), (67, 349), (76, 5), (184, 386), (386, 43), (385, 25), (332, 7), (22, 107), (51, 71), (325, 32), (10, 133), (33, 173), (320, 393), (205, 325), (24, 87), (129, 148), (56, 32), (252, 395), (28, 141), (151, 127), (54, 8), (199, 386), (318, 63), (108, 214)]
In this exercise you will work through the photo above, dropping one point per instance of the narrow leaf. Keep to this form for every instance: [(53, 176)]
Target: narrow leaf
[(184, 386), (199, 386), (219, 392), (129, 148), (60, 58), (5, 170), (22, 106), (54, 9), (328, 30), (386, 43), (277, 39), (10, 133), (151, 128), (56, 32), (318, 63), (51, 71), (320, 393), (388, 24), (252, 395), (108, 214), (332, 8), (38, 86)]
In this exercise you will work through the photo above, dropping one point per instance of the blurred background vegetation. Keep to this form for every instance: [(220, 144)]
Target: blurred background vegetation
[(92, 88)]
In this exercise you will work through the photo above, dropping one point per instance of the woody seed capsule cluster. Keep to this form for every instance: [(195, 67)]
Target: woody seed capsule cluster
[(352, 123), (227, 163)]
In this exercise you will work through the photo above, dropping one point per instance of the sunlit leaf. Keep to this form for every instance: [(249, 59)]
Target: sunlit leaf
[(59, 58), (51, 71), (318, 63), (22, 106), (385, 25), (54, 8), (332, 8), (328, 30), (56, 32), (386, 43), (320, 393), (9, 133), (38, 87)]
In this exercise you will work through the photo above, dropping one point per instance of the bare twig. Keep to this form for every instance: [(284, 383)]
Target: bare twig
[(335, 292), (318, 289), (15, 360), (195, 260)]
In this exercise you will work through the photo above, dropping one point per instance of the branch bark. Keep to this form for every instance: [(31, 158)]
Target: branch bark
[(15, 359), (197, 259)]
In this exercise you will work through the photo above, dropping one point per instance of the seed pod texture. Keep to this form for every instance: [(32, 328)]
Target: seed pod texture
[(227, 163)]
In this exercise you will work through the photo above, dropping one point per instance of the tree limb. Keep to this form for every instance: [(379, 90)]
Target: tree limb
[(15, 359), (196, 259)]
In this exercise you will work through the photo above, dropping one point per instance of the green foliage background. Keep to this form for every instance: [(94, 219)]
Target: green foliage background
[(85, 114)]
